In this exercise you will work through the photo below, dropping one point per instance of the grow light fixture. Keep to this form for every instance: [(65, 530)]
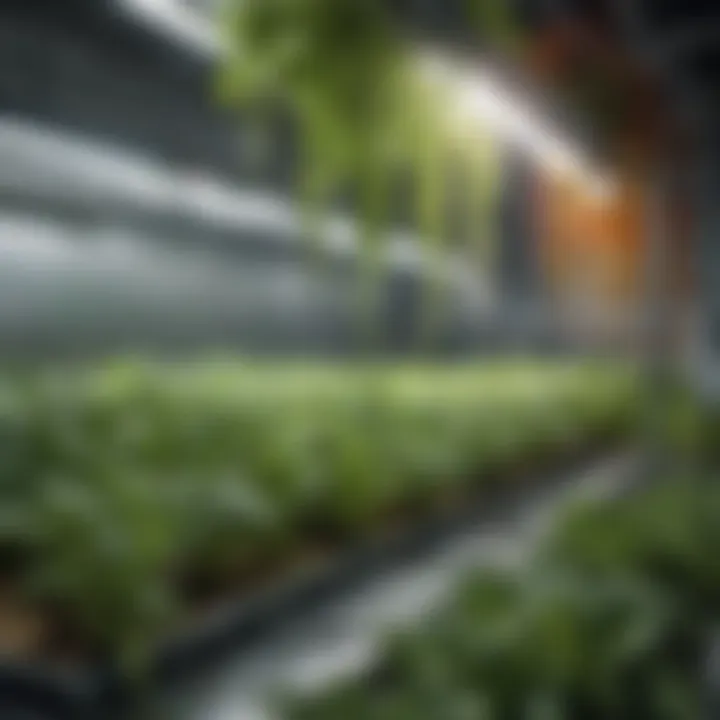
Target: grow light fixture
[(480, 99)]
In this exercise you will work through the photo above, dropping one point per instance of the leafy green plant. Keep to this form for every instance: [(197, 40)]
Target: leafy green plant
[(611, 618), (127, 481), (368, 117)]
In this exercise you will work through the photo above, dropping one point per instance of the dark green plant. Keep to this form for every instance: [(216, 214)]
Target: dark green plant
[(610, 619), (129, 478)]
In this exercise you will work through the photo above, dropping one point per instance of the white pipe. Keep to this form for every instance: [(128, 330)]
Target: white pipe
[(42, 162)]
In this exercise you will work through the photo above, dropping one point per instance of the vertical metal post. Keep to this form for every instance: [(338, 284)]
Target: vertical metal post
[(707, 253), (704, 360), (657, 325)]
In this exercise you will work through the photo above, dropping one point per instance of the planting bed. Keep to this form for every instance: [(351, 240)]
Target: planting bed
[(613, 618), (139, 497)]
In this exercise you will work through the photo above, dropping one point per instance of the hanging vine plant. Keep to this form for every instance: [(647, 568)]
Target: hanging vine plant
[(366, 112), (338, 67)]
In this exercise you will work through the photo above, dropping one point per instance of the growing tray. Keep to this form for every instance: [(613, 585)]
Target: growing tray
[(98, 692)]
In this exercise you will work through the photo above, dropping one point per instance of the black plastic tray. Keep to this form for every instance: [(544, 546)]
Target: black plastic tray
[(98, 692)]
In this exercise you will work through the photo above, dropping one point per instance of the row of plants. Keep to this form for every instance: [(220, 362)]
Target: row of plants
[(613, 617), (135, 493)]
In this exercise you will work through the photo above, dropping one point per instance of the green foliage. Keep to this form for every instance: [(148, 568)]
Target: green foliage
[(120, 480), (667, 536), (368, 115), (609, 620), (338, 66), (351, 78)]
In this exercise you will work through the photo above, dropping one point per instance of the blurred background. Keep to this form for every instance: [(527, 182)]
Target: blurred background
[(313, 312), (135, 215)]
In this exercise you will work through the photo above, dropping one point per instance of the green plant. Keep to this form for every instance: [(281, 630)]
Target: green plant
[(368, 116), (126, 481), (610, 619)]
